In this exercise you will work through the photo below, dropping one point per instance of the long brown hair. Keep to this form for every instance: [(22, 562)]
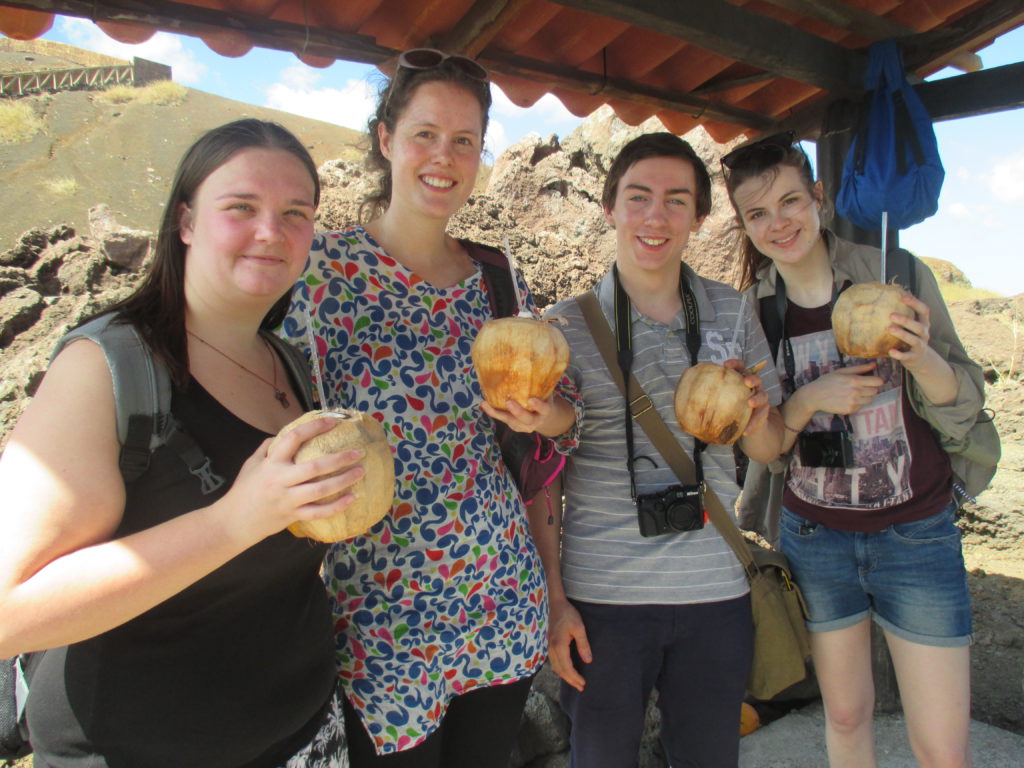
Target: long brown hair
[(752, 260), (157, 307), (392, 100)]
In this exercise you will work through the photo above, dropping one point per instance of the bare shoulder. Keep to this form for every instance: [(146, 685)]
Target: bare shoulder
[(59, 471)]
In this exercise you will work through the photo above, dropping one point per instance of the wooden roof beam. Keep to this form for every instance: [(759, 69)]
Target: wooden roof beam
[(865, 24), (739, 34), (929, 51), (570, 78), (480, 24)]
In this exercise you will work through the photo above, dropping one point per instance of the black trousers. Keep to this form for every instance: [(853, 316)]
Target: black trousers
[(697, 656), (478, 730)]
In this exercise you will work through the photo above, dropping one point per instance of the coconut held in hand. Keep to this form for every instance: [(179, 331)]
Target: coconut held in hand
[(519, 358), (375, 490), (860, 319), (711, 403)]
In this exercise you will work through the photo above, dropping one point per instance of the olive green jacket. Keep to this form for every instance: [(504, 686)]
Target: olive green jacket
[(964, 430)]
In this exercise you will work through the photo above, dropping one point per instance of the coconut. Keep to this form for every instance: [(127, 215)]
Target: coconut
[(519, 358), (860, 319), (711, 403), (375, 490)]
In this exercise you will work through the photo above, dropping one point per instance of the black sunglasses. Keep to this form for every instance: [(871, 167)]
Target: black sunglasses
[(763, 153), (431, 58)]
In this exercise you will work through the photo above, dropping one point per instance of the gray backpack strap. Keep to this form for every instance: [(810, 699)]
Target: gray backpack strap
[(298, 368), (142, 398)]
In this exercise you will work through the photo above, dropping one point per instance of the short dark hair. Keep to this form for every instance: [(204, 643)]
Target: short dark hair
[(662, 144), (157, 307), (392, 99)]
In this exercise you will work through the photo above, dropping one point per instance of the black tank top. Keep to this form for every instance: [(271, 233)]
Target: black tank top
[(235, 670)]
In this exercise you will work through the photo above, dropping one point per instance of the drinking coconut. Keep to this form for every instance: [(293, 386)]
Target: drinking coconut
[(519, 358), (860, 319), (711, 403), (375, 490)]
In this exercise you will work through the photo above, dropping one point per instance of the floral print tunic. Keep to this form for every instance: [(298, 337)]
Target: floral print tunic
[(447, 593)]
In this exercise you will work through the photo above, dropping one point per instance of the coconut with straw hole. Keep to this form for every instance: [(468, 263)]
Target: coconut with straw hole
[(860, 317), (518, 357), (374, 491)]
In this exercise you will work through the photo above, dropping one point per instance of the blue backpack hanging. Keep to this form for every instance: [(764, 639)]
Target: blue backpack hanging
[(893, 164)]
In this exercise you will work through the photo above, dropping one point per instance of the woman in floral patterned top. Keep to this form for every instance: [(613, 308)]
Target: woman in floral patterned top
[(441, 608)]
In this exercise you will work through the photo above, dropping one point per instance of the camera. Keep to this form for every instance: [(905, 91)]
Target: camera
[(826, 449), (674, 509)]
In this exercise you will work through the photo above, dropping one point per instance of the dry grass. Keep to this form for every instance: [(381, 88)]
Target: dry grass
[(18, 122), (953, 292), (164, 93), (64, 186)]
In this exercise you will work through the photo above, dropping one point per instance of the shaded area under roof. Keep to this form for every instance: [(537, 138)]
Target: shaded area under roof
[(733, 66)]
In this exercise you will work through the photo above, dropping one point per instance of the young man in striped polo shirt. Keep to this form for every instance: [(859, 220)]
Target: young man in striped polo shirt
[(659, 602)]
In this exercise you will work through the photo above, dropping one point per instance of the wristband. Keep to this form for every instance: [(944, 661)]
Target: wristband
[(795, 431)]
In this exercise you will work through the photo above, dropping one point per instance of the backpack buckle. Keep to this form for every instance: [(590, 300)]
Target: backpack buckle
[(208, 479)]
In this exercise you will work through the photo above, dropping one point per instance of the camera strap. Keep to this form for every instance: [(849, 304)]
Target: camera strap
[(624, 348), (787, 346), (646, 415)]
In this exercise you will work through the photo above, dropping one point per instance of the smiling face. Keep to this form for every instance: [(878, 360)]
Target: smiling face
[(653, 215), (780, 214), (248, 229), (434, 151)]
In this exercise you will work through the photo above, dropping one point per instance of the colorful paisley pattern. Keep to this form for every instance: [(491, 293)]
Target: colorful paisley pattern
[(446, 593)]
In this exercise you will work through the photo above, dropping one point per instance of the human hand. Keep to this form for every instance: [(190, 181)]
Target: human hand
[(271, 491), (844, 390), (552, 416), (913, 332), (758, 401), (564, 627)]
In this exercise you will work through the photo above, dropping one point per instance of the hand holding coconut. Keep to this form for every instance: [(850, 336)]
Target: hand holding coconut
[(719, 404), (519, 361), (273, 491)]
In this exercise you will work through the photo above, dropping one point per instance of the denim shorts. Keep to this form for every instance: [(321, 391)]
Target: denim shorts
[(910, 576)]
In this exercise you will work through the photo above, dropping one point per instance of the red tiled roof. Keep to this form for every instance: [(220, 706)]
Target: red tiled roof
[(732, 65)]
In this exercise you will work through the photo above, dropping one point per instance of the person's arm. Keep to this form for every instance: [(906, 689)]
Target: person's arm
[(62, 577), (842, 391), (564, 623), (762, 438), (934, 375)]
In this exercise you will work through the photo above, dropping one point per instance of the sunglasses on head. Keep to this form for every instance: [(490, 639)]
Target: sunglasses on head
[(431, 58), (763, 153)]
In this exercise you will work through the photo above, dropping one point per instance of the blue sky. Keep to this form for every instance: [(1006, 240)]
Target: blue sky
[(982, 199)]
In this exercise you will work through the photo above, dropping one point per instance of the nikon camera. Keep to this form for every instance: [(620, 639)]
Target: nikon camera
[(672, 510)]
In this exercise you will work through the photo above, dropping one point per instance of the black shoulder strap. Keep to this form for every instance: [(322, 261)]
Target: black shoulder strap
[(899, 264), (771, 322), (497, 278)]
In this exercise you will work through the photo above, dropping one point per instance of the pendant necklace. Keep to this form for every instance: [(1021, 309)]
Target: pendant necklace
[(279, 394)]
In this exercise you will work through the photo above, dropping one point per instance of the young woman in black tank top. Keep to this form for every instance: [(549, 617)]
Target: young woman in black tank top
[(184, 628)]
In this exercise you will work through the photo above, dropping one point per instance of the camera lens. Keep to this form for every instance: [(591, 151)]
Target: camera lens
[(682, 516)]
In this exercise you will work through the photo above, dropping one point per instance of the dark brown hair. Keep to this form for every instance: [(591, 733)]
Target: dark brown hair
[(658, 145), (392, 100), (157, 307), (752, 260)]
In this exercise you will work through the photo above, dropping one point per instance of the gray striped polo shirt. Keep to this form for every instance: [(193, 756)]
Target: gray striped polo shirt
[(604, 557)]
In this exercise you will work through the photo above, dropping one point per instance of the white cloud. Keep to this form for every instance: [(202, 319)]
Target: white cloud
[(958, 211), (497, 140), (296, 91), (162, 47), (1007, 180), (546, 110)]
